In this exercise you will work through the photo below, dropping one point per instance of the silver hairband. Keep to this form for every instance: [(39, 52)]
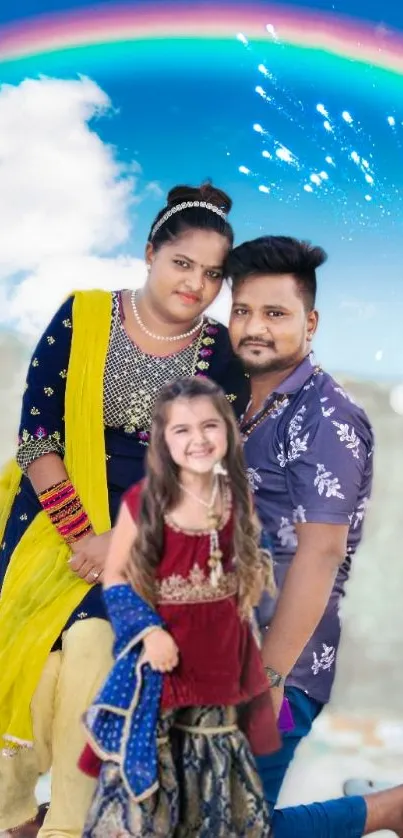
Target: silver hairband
[(186, 205)]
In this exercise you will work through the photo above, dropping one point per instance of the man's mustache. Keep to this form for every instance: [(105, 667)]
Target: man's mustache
[(269, 344)]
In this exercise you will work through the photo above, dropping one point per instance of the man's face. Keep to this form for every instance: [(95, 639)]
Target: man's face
[(270, 328)]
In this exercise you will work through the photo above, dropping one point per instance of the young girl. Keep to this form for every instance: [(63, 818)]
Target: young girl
[(188, 673)]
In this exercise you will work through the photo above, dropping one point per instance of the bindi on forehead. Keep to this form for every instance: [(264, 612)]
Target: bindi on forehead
[(198, 264)]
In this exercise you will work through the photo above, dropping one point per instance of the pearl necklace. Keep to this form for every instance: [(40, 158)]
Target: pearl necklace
[(161, 337)]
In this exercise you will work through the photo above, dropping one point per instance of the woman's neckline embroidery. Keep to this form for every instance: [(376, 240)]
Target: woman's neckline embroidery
[(203, 347)]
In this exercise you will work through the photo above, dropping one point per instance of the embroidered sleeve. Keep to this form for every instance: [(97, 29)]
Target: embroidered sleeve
[(42, 416), (328, 464)]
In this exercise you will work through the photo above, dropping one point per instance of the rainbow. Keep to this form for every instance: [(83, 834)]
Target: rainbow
[(150, 21)]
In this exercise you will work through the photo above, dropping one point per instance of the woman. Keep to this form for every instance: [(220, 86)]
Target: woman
[(86, 414)]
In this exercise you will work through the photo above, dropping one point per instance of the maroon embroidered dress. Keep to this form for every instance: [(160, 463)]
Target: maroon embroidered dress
[(219, 660)]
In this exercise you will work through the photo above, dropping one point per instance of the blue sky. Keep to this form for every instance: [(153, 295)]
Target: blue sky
[(182, 118)]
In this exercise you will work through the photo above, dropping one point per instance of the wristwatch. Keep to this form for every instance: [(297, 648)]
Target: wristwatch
[(274, 678)]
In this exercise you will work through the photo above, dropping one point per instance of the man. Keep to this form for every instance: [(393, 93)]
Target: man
[(308, 449)]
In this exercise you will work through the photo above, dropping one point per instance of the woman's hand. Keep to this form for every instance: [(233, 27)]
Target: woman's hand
[(160, 651), (89, 556)]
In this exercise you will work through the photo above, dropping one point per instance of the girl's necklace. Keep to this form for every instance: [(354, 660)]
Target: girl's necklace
[(214, 562), (207, 504)]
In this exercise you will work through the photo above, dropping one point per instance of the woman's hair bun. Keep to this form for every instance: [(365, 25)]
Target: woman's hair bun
[(206, 192)]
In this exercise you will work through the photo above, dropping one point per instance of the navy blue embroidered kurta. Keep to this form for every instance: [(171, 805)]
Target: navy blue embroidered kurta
[(42, 422)]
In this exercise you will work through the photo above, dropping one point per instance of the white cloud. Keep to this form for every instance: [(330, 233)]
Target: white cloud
[(36, 298), (65, 200)]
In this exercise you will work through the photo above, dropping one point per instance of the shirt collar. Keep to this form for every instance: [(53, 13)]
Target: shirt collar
[(297, 377)]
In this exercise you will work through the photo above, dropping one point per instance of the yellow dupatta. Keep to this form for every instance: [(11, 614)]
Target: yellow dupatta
[(40, 591)]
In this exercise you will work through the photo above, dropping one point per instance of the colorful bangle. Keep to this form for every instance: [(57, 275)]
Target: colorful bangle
[(65, 510)]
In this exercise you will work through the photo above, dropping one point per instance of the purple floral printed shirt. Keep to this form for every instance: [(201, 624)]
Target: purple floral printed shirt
[(310, 460)]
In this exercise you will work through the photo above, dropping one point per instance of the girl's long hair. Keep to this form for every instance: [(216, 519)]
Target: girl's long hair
[(161, 494)]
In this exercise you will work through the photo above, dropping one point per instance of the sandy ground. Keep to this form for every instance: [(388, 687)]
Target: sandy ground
[(341, 747)]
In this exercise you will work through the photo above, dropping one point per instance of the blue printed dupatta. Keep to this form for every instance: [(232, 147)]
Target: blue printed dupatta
[(121, 723)]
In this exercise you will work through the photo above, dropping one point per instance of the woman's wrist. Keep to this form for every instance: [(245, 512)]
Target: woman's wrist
[(63, 506)]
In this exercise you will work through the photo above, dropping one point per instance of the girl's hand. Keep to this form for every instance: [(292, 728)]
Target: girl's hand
[(160, 651)]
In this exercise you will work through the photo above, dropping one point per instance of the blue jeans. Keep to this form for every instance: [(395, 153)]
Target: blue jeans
[(272, 769), (319, 820)]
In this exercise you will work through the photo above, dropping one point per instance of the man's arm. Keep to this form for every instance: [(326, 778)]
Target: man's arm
[(326, 473), (304, 596)]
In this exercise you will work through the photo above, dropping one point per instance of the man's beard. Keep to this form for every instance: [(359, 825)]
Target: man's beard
[(279, 364)]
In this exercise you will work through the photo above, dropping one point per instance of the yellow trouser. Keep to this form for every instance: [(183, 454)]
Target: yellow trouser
[(69, 682)]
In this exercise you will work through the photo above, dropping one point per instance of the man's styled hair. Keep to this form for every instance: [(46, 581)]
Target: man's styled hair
[(272, 255)]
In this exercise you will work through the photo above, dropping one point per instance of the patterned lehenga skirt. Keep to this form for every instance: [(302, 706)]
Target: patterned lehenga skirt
[(208, 785)]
